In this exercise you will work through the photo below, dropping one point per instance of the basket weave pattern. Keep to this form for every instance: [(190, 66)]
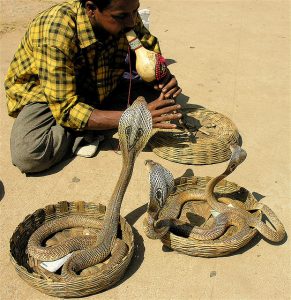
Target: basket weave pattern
[(201, 210), (82, 286), (212, 133)]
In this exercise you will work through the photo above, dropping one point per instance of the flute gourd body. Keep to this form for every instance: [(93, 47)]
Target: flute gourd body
[(150, 66)]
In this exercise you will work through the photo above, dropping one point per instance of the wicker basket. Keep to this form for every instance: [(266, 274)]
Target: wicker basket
[(80, 287), (212, 133), (198, 213)]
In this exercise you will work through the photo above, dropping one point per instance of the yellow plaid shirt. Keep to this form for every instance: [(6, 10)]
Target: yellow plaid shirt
[(61, 62)]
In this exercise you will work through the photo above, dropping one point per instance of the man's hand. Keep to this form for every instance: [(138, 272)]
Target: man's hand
[(169, 86), (164, 110)]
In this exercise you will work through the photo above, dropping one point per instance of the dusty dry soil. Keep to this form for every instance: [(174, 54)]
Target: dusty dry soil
[(229, 56)]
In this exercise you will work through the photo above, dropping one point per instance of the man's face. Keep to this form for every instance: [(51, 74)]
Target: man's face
[(119, 16)]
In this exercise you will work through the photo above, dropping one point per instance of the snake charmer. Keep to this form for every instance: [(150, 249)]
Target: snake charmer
[(65, 85)]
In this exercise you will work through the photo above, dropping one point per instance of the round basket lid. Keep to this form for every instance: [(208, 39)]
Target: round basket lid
[(211, 133)]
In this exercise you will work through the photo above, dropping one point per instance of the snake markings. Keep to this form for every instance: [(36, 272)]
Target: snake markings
[(134, 131), (156, 227)]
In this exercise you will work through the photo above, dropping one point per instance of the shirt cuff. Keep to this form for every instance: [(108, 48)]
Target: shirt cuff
[(79, 116)]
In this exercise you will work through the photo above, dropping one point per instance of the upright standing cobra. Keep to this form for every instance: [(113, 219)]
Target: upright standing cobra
[(134, 130), (162, 215)]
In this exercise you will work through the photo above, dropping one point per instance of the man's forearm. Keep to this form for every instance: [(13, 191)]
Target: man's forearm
[(103, 119)]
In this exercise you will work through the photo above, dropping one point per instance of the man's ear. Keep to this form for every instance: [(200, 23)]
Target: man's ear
[(90, 6)]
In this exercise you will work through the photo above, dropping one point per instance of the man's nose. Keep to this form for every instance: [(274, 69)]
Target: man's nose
[(130, 21)]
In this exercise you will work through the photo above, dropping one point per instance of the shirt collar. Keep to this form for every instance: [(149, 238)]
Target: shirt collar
[(84, 28), (86, 33)]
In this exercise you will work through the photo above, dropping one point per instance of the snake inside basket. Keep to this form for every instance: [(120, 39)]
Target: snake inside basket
[(199, 213), (184, 211), (47, 282), (89, 250), (53, 270), (203, 139)]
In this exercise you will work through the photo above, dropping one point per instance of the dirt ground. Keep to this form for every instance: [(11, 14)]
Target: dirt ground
[(229, 56)]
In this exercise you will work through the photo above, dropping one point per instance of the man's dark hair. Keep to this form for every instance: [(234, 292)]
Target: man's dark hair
[(100, 4)]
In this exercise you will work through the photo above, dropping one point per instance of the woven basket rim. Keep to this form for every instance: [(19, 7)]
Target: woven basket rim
[(85, 285), (194, 247), (210, 146)]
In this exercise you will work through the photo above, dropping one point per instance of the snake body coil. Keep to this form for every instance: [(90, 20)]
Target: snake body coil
[(162, 215), (134, 131)]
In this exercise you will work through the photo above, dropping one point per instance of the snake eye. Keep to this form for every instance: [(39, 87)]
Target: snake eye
[(139, 133), (128, 130)]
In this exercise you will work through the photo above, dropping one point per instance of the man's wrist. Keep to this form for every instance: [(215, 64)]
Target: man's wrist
[(103, 119)]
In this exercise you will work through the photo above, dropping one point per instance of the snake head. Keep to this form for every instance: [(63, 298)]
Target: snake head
[(161, 185), (237, 157), (135, 127)]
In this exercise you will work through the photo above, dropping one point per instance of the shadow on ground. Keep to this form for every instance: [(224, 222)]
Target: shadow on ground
[(53, 170), (139, 249), (2, 190)]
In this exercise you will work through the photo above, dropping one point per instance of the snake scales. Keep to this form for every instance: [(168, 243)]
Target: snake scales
[(134, 130), (161, 215)]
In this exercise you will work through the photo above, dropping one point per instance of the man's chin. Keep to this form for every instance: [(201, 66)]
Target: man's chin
[(126, 30), (117, 34)]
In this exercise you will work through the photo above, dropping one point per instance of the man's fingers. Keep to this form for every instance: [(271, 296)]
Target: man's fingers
[(171, 83), (173, 93), (177, 93), (161, 97), (160, 122), (160, 102), (169, 117), (164, 125), (166, 80), (165, 110)]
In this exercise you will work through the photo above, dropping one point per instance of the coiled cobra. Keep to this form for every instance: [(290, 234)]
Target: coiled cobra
[(134, 130), (161, 185)]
